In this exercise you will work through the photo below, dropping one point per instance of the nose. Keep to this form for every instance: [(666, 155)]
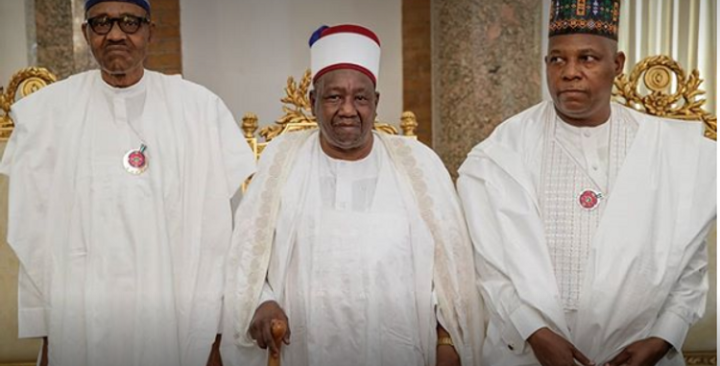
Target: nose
[(347, 108), (571, 71), (116, 34)]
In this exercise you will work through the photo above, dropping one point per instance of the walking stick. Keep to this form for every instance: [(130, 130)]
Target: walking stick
[(278, 329)]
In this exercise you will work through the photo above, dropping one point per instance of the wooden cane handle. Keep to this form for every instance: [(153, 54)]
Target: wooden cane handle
[(278, 329)]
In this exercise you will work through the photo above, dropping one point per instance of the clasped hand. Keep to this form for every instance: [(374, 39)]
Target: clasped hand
[(552, 349)]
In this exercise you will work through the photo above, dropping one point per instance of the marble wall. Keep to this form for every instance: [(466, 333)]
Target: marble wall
[(54, 36), (58, 42), (486, 67)]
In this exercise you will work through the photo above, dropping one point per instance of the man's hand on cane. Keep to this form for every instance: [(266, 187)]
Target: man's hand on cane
[(261, 326)]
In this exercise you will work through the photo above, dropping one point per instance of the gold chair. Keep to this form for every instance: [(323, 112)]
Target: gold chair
[(24, 83), (657, 85), (665, 91), (298, 116), (14, 351)]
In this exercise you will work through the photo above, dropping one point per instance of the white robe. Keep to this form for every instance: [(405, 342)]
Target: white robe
[(355, 276), (646, 269), (121, 269)]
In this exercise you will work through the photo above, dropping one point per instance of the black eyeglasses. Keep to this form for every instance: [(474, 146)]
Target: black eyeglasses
[(103, 24)]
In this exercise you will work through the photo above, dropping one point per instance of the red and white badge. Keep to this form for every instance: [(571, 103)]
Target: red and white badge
[(135, 160), (589, 199)]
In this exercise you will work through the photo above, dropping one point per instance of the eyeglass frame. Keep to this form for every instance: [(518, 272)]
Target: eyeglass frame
[(119, 21)]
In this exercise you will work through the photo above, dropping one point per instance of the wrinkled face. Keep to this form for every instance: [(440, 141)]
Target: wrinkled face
[(344, 102), (580, 73), (118, 52)]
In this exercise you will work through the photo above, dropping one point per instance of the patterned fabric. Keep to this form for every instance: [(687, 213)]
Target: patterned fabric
[(569, 228), (599, 17)]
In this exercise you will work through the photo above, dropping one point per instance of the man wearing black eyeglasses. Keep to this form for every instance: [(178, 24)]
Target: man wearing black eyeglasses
[(119, 41), (119, 205)]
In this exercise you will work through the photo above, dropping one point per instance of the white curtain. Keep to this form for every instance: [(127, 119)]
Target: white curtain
[(685, 30)]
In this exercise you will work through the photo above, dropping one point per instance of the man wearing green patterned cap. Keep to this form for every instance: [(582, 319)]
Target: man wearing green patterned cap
[(588, 218)]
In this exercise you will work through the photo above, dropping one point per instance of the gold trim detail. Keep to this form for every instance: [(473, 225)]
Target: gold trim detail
[(708, 358), (27, 81), (649, 89), (298, 114)]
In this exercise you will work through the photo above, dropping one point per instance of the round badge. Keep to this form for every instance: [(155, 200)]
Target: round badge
[(135, 161), (589, 199)]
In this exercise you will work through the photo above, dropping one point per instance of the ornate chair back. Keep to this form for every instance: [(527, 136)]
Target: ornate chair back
[(22, 84), (658, 86)]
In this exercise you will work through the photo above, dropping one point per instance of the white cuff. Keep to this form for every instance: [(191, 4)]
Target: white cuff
[(671, 328), (267, 294), (527, 320), (31, 323)]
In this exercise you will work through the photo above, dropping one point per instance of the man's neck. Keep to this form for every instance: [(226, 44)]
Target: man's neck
[(123, 80), (594, 120), (346, 154)]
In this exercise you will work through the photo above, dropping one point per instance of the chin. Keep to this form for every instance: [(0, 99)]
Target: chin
[(347, 140), (573, 109), (348, 146), (119, 69), (115, 68), (115, 72), (576, 116)]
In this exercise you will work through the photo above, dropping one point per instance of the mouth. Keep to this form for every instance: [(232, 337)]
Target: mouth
[(346, 124), (346, 129), (572, 92), (116, 48)]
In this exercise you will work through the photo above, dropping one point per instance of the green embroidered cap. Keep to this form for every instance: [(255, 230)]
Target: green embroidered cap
[(599, 17)]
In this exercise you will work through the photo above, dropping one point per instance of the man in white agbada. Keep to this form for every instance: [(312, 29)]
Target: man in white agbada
[(589, 219), (119, 205), (357, 239)]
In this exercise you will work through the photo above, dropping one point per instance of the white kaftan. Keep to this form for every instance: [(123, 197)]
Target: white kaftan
[(643, 266), (122, 269), (355, 257), (348, 298)]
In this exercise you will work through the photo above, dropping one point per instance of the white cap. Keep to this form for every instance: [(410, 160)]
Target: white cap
[(345, 47)]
